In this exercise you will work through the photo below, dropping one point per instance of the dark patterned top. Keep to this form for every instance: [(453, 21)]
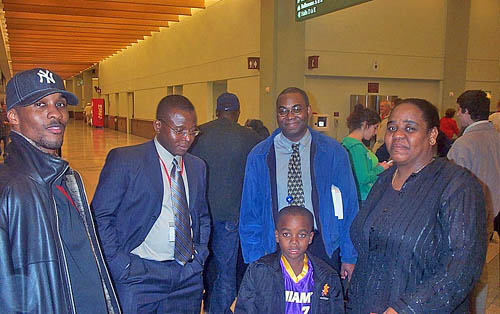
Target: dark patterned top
[(421, 249)]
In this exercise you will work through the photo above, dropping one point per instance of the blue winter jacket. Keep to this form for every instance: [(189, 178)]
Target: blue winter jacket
[(329, 166)]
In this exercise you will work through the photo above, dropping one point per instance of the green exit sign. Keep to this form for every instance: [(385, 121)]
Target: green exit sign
[(306, 9)]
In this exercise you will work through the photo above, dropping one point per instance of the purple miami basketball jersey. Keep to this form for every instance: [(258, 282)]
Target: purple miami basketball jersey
[(298, 289)]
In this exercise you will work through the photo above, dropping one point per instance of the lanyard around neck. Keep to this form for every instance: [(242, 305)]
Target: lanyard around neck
[(166, 171), (63, 191)]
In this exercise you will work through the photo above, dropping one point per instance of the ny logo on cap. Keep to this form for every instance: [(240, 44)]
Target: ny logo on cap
[(47, 75)]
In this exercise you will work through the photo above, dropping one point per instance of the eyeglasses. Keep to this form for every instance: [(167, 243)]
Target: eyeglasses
[(283, 112), (192, 132)]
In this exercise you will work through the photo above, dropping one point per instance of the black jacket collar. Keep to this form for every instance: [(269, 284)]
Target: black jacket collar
[(29, 160)]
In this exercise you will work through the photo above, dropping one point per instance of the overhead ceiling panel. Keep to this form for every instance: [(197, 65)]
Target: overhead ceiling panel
[(69, 36)]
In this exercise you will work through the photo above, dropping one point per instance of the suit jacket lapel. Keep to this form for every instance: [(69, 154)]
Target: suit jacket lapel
[(192, 180), (153, 172)]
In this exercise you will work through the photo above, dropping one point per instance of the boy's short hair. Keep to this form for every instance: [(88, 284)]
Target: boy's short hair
[(295, 211)]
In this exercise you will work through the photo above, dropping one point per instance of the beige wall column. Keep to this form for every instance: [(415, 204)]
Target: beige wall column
[(282, 57), (87, 88), (455, 51), (70, 87), (77, 90)]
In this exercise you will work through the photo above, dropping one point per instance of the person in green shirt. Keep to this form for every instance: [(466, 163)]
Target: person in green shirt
[(362, 124)]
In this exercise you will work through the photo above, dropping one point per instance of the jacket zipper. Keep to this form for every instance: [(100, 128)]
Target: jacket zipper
[(60, 241)]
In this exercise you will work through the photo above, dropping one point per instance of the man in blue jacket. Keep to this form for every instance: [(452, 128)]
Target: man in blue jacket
[(299, 166)]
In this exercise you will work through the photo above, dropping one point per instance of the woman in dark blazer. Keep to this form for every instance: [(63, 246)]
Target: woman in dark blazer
[(421, 237)]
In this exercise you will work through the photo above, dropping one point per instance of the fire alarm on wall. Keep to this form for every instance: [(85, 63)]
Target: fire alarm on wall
[(321, 122)]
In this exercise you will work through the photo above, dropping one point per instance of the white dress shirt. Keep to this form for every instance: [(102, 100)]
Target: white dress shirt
[(159, 244)]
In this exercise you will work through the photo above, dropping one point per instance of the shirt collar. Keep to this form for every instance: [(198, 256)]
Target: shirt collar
[(284, 143), (474, 124), (165, 155)]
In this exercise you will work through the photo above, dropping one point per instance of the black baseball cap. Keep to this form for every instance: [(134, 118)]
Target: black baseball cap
[(228, 102), (29, 86)]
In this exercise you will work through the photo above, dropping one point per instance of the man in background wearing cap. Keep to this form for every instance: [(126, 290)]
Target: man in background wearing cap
[(224, 145), (50, 260)]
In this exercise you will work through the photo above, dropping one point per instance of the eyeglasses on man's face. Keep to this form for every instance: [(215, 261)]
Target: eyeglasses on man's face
[(296, 109), (181, 132)]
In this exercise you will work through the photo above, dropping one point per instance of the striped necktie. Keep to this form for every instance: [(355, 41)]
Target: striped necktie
[(183, 242)]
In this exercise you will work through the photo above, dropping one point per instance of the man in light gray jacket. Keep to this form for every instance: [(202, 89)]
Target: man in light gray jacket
[(478, 150)]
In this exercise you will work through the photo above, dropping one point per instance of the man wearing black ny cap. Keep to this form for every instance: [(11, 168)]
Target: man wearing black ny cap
[(50, 259), (224, 145)]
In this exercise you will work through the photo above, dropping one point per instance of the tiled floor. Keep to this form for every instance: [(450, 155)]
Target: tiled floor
[(86, 149)]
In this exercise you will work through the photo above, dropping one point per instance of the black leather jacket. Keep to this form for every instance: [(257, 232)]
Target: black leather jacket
[(33, 270)]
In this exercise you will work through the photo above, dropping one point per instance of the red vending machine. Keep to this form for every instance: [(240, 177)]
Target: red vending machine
[(98, 112)]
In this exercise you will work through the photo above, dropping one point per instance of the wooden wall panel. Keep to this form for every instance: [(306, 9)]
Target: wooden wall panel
[(78, 115), (122, 124), (111, 124), (143, 128)]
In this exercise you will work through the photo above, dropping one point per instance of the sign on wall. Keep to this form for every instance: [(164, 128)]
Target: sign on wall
[(307, 9)]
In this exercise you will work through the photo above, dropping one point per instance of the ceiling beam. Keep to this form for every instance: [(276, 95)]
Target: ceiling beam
[(18, 22), (62, 47), (86, 19), (199, 4), (29, 52), (86, 59), (69, 40), (74, 42), (69, 63), (60, 50), (50, 61), (88, 12), (73, 30), (15, 32), (67, 68), (100, 5)]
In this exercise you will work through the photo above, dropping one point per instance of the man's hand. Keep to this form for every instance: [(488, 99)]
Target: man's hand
[(390, 311), (346, 271)]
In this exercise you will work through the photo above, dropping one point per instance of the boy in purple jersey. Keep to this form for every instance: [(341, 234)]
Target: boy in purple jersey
[(290, 281)]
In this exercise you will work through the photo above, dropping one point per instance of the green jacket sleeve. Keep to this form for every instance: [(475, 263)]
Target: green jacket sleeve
[(363, 168)]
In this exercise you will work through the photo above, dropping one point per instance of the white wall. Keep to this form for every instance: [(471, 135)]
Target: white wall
[(211, 45), (332, 94), (405, 38), (146, 101), (200, 95), (247, 90), (483, 57)]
